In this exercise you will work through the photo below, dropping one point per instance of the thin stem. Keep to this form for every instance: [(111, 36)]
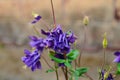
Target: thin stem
[(36, 30), (89, 76), (66, 69), (48, 27), (47, 63), (84, 43), (53, 13), (63, 70), (104, 58), (75, 63), (56, 71)]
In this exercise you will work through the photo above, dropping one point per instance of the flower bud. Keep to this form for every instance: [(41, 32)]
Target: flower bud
[(86, 20), (36, 18), (105, 42)]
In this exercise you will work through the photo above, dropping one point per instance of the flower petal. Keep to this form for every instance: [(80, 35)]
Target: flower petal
[(117, 53), (117, 60)]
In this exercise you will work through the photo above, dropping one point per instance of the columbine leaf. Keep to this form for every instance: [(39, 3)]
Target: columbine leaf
[(80, 71), (72, 55), (67, 63), (56, 59), (118, 69), (50, 70)]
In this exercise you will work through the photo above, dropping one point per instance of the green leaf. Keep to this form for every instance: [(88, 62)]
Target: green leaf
[(118, 69), (67, 63), (80, 71), (50, 70), (76, 78), (72, 55), (56, 59)]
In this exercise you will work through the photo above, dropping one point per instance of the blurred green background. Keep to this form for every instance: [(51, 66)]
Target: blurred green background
[(15, 27)]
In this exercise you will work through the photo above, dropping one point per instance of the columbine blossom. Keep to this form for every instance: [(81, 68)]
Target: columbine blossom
[(108, 77), (117, 59), (38, 43), (32, 59), (58, 40), (55, 39)]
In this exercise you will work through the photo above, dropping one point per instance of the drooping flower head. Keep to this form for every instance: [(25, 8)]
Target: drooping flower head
[(32, 59), (117, 59)]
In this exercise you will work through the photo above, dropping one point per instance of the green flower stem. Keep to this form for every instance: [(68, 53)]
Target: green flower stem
[(104, 58), (66, 69), (84, 43), (75, 64), (62, 68), (36, 30), (56, 71)]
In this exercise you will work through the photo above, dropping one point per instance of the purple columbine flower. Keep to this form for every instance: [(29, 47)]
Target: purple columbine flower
[(32, 59), (117, 59), (110, 77), (55, 39), (38, 43), (71, 37), (58, 40)]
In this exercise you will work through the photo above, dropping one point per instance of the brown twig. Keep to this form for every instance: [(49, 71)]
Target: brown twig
[(89, 76), (66, 69), (53, 13)]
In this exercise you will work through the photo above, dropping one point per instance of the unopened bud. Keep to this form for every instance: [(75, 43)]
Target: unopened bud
[(105, 42), (86, 20), (34, 14)]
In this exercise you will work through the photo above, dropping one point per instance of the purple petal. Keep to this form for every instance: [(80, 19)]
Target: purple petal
[(27, 52), (117, 53), (38, 64), (23, 58), (33, 38), (34, 21), (38, 17), (60, 38), (44, 32), (33, 68), (117, 60)]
